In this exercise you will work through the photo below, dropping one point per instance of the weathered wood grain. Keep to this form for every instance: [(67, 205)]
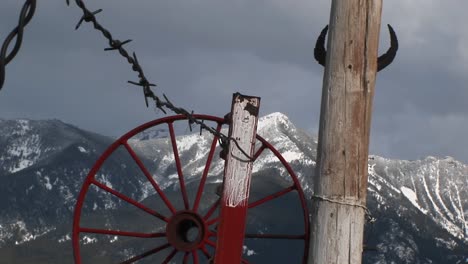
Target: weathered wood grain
[(237, 173), (348, 89)]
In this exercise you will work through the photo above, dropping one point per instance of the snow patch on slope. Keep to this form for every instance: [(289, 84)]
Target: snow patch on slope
[(412, 197), (26, 235), (26, 150), (83, 150)]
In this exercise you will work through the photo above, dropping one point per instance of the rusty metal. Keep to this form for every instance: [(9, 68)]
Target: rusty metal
[(189, 233), (320, 53), (26, 14)]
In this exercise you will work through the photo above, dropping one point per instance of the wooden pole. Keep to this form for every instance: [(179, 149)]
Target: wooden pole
[(340, 186), (237, 172)]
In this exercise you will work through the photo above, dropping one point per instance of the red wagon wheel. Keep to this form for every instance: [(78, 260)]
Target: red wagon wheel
[(188, 233)]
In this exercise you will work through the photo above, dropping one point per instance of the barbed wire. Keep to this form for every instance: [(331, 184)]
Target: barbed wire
[(26, 14), (118, 45)]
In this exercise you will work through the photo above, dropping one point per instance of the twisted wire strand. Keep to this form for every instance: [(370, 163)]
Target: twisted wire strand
[(367, 212), (26, 14), (115, 44)]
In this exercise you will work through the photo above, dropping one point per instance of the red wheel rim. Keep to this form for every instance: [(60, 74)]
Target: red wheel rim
[(180, 222)]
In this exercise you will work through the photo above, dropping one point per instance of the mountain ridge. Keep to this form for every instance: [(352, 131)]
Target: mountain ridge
[(430, 192)]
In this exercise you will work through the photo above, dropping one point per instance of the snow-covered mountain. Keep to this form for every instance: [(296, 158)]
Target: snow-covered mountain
[(423, 205), (420, 206), (42, 167)]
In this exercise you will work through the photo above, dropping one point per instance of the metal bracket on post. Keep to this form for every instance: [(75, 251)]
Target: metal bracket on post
[(237, 173)]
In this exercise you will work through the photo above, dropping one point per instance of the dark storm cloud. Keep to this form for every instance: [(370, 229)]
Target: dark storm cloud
[(200, 52)]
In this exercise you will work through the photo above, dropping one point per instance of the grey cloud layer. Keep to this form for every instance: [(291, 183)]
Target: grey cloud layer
[(207, 49)]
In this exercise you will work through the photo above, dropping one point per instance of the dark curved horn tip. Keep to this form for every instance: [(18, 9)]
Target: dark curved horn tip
[(388, 57), (320, 53)]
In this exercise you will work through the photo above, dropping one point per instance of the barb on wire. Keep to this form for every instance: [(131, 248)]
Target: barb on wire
[(115, 44), (26, 14), (87, 17)]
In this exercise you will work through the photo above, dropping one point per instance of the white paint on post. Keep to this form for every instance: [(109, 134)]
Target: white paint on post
[(244, 116)]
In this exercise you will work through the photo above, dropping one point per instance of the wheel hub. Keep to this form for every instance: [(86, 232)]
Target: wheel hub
[(186, 230)]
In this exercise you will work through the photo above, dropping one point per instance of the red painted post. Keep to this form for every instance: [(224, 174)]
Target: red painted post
[(237, 172)]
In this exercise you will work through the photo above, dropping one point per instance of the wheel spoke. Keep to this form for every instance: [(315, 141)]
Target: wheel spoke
[(170, 256), (210, 243), (275, 236), (178, 165), (201, 186), (272, 196), (120, 233), (186, 257), (212, 233), (212, 209), (195, 256), (212, 221), (149, 177), (129, 200), (167, 253), (205, 252), (146, 254)]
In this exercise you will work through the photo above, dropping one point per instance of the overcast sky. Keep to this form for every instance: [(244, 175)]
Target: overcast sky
[(199, 52)]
